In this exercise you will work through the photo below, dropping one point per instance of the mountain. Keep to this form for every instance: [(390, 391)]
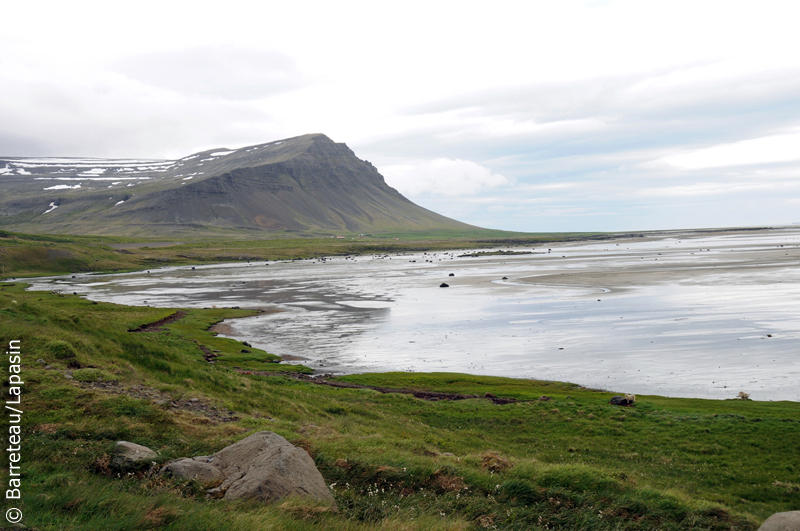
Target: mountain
[(306, 183)]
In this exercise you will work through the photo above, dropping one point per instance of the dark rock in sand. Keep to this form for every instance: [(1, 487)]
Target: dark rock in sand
[(444, 285), (451, 275), (620, 401)]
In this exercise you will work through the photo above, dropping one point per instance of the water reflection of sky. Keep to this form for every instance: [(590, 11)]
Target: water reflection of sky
[(696, 324)]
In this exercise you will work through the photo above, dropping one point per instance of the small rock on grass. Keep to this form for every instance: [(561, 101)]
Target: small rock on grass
[(130, 456)]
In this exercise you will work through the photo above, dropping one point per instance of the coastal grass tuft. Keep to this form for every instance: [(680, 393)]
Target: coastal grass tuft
[(392, 461)]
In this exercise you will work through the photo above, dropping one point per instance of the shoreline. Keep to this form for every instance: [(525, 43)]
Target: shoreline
[(570, 276)]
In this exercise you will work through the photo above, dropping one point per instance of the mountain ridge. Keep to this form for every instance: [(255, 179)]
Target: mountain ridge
[(304, 183)]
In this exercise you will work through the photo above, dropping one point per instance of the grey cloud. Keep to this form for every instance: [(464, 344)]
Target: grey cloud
[(635, 95), (218, 71), (687, 115), (640, 119), (108, 116), (15, 144)]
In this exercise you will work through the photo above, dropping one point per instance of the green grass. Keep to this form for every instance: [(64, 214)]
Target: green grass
[(394, 462), (28, 255)]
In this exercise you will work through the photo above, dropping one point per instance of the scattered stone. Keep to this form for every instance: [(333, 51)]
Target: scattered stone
[(788, 521), (244, 351), (245, 343), (489, 395), (448, 454), (130, 456), (200, 469), (451, 275), (544, 398), (41, 361), (444, 285), (504, 278)]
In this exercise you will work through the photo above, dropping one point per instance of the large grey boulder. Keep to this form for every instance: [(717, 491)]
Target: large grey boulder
[(263, 466), (788, 521), (130, 456)]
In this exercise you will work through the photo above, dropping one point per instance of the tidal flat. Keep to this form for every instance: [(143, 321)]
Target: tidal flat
[(682, 314)]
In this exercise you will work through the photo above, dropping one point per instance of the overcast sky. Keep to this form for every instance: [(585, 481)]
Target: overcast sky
[(532, 116)]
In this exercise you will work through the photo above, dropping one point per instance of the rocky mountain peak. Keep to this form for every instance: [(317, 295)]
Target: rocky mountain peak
[(304, 183)]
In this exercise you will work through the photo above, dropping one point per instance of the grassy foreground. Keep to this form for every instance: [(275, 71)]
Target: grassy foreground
[(393, 462)]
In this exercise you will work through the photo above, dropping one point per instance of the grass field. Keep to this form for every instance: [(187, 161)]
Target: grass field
[(393, 461), (27, 255)]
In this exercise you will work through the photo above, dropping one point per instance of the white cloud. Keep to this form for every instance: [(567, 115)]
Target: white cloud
[(223, 71), (776, 148), (102, 113), (446, 177)]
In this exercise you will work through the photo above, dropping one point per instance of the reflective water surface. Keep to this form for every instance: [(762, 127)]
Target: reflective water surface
[(693, 315)]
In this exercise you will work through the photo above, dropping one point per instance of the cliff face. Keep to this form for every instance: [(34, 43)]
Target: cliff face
[(306, 183)]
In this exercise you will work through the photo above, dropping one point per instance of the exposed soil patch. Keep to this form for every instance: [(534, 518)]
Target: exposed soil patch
[(208, 355), (192, 405), (152, 245), (227, 330), (221, 328), (424, 395), (157, 326), (290, 357)]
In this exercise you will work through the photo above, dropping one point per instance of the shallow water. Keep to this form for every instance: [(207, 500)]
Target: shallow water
[(682, 315)]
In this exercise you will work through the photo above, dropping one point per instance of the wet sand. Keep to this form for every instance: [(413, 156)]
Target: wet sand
[(679, 314)]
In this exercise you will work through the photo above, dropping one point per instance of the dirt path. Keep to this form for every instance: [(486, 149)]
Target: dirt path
[(432, 396), (157, 326), (203, 408)]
